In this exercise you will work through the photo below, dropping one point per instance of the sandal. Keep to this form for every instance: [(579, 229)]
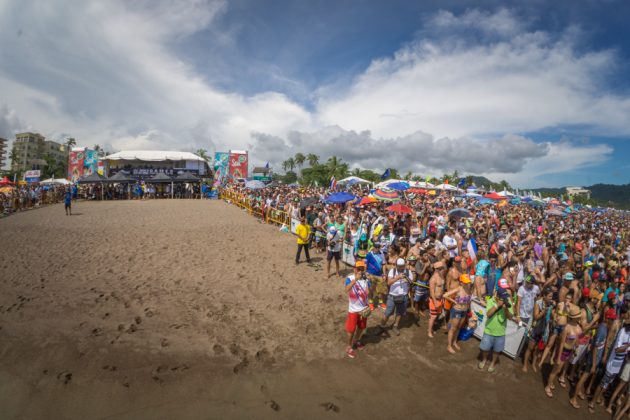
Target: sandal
[(574, 404), (491, 369), (562, 382), (481, 365), (548, 392)]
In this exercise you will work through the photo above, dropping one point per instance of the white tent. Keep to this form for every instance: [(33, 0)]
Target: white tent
[(421, 184), (446, 187), (505, 193), (353, 180), (58, 181)]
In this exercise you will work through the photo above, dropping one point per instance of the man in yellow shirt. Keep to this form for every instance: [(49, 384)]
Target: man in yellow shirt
[(303, 233)]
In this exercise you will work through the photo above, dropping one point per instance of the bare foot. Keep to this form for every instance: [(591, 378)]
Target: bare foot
[(574, 403), (450, 350), (430, 335), (534, 368), (609, 410), (524, 369), (548, 392), (456, 346)]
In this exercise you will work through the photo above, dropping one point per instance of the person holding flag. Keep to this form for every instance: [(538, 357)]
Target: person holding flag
[(333, 183)]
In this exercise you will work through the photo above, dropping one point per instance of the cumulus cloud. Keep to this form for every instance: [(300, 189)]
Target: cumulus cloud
[(110, 73)]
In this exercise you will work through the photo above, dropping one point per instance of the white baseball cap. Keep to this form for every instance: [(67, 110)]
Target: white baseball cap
[(400, 261)]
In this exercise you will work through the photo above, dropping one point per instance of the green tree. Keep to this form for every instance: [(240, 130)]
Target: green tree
[(356, 172), (469, 180), (417, 178), (288, 164), (503, 185), (408, 176), (370, 175), (299, 159), (312, 159), (51, 166), (316, 175), (290, 177), (203, 154), (337, 167), (394, 174), (71, 142)]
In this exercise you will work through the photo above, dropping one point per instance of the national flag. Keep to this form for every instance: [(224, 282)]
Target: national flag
[(472, 248), (386, 174), (333, 183), (461, 182), (267, 165)]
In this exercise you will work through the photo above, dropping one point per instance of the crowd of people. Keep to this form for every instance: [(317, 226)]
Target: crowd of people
[(26, 197), (559, 276)]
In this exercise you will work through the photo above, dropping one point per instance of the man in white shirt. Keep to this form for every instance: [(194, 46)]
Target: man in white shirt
[(450, 242), (527, 294), (398, 280)]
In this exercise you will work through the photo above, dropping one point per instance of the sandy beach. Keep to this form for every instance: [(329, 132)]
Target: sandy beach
[(194, 309)]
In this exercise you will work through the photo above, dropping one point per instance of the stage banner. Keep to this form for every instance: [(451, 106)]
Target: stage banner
[(221, 164), (90, 162), (75, 166), (238, 165)]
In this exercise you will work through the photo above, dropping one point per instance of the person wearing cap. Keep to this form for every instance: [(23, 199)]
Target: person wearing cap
[(422, 269), (436, 292), (566, 344), (375, 261), (615, 361), (560, 320), (398, 280), (357, 287), (498, 311), (460, 298), (334, 243), (303, 233)]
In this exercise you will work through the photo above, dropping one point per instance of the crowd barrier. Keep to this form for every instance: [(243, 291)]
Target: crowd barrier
[(267, 214)]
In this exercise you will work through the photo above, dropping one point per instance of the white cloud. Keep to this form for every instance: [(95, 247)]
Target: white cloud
[(110, 73)]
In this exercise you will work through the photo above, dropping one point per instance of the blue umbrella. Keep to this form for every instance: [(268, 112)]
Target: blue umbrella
[(340, 197), (458, 213), (486, 201), (398, 186)]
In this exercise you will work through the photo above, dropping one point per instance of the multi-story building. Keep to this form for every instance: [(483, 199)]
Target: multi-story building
[(3, 151), (578, 191), (31, 149)]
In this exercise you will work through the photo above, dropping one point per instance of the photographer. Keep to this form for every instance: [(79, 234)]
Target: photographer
[(498, 311), (334, 240), (398, 280)]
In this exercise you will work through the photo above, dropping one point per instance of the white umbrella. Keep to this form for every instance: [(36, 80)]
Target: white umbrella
[(446, 187), (59, 181)]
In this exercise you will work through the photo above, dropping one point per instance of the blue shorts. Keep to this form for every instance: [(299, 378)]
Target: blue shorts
[(400, 308), (457, 314), (491, 342)]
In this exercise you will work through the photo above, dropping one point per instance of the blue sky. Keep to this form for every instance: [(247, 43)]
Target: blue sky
[(534, 92)]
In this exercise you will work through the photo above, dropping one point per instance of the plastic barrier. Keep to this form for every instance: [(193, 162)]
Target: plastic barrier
[(514, 334)]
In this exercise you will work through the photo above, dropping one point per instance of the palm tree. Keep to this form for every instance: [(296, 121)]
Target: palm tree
[(289, 164), (408, 176), (313, 159), (469, 180), (202, 153), (299, 159), (337, 168), (97, 147), (71, 142), (504, 185), (356, 172)]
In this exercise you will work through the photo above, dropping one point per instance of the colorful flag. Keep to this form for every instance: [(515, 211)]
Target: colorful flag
[(333, 183), (386, 174), (461, 182)]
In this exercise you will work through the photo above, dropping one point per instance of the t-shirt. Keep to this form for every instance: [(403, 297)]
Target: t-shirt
[(302, 231), (374, 263), (358, 295), (334, 241), (527, 297), (497, 323), (449, 241), (68, 198), (600, 336), (615, 360), (400, 287)]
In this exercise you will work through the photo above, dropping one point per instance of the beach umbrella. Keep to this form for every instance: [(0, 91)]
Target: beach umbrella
[(386, 195), (399, 208), (416, 191), (398, 186), (6, 189), (446, 187), (5, 181), (494, 196), (367, 200), (340, 197), (308, 201), (486, 201), (254, 185), (555, 212), (473, 195), (421, 184), (459, 213)]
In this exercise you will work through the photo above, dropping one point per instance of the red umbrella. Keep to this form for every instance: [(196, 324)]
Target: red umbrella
[(417, 191), (6, 181), (399, 208), (494, 196)]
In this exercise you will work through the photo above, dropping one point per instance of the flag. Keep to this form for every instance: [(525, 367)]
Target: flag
[(461, 183), (446, 180), (267, 165), (472, 248), (386, 174), (428, 178), (333, 183)]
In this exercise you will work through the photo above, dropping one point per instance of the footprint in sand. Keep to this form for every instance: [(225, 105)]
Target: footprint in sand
[(273, 405), (330, 407), (65, 377), (164, 342)]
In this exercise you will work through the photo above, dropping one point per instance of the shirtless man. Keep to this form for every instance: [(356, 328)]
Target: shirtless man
[(452, 282), (436, 291)]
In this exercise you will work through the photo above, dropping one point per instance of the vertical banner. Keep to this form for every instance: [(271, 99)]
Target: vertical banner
[(221, 165), (101, 167), (238, 164), (90, 162), (75, 165)]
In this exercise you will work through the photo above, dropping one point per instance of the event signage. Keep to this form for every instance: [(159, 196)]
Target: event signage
[(90, 163), (238, 164), (149, 172), (75, 165), (32, 176), (221, 165)]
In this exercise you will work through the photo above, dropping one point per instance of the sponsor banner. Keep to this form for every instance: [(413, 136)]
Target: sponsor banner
[(75, 165), (238, 165), (32, 176), (146, 173), (262, 178), (101, 167), (90, 162), (221, 164)]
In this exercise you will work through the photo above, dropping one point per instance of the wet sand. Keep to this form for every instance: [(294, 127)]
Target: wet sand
[(193, 309)]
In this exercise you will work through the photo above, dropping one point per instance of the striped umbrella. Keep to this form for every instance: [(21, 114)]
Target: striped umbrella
[(386, 195), (367, 200)]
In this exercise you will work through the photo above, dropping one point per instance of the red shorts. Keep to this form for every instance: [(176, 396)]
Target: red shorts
[(435, 306), (355, 320)]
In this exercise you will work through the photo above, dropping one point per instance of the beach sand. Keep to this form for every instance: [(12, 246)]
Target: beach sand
[(194, 309)]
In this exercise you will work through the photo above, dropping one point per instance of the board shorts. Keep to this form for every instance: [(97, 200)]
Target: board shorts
[(354, 320), (448, 305), (420, 294), (379, 284), (333, 254), (435, 306)]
